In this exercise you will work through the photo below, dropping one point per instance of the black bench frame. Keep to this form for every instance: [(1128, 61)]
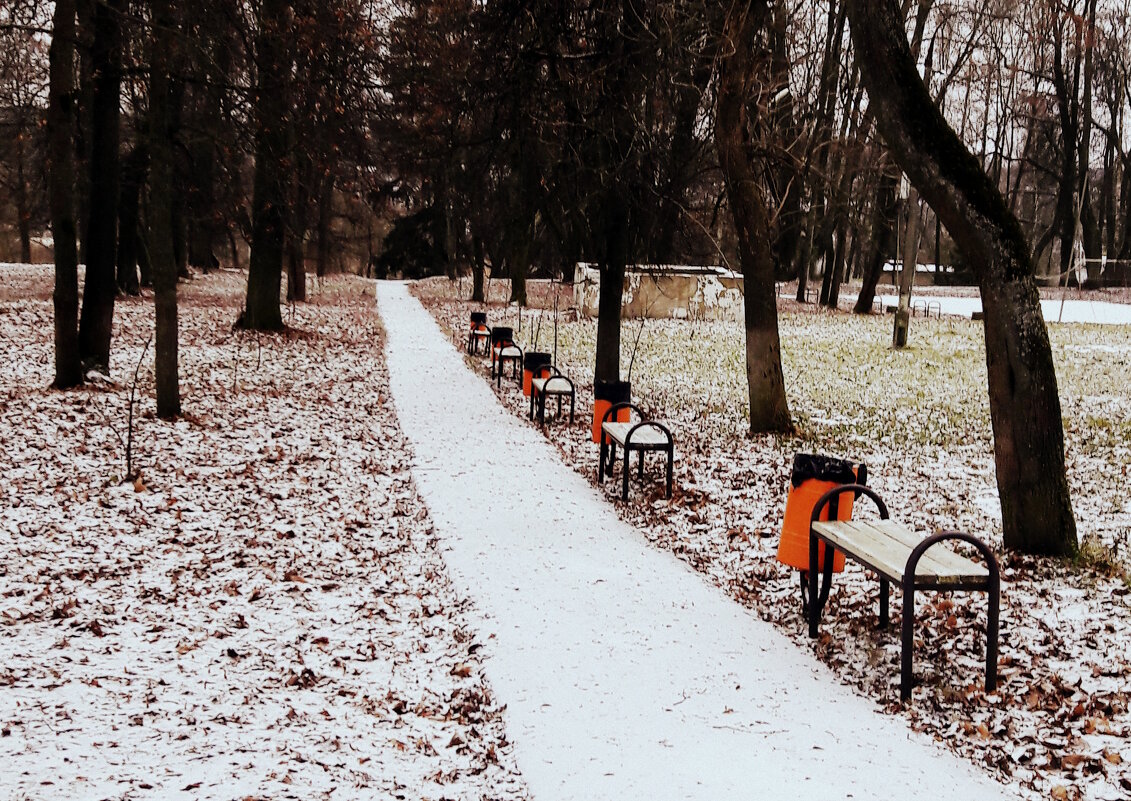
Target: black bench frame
[(539, 405), (911, 583), (609, 447)]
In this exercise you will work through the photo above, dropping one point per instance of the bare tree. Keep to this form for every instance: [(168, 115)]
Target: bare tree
[(1024, 404)]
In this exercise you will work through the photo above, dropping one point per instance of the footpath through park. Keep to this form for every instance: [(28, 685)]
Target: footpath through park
[(625, 675)]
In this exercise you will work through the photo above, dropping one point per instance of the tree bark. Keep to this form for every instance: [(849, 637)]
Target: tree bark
[(611, 291), (910, 261), (133, 177), (296, 269), (21, 198), (101, 247), (1024, 404), (745, 24), (265, 271), (325, 213), (477, 270), (61, 187), (162, 189), (884, 211)]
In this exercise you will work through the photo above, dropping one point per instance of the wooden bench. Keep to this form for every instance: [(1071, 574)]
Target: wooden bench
[(898, 555), (508, 353), (555, 385), (477, 337), (641, 436)]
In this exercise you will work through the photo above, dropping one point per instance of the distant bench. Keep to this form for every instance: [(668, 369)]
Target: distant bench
[(898, 555), (643, 435), (556, 385)]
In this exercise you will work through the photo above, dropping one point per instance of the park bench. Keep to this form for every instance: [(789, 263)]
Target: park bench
[(898, 555), (554, 385), (503, 350), (641, 436), (479, 332)]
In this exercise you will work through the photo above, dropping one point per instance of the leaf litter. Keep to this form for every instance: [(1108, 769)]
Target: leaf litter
[(264, 611)]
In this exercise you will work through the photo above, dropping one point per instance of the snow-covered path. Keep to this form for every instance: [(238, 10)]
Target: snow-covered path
[(625, 675)]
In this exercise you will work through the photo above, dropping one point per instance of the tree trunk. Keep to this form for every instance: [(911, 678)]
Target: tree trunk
[(101, 247), (840, 257), (265, 271), (162, 190), (1024, 404), (61, 187), (611, 290), (884, 211), (325, 210), (769, 409), (910, 259), (518, 265), (477, 270), (22, 200), (133, 177), (296, 269)]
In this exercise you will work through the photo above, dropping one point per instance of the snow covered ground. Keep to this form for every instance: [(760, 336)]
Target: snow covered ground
[(626, 675), (264, 613), (1099, 312)]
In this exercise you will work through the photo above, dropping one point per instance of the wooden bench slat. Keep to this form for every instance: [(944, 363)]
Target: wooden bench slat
[(894, 538), (644, 437), (887, 545), (943, 561), (545, 386)]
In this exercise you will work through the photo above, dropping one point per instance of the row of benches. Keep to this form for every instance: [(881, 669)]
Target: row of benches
[(548, 382), (895, 554)]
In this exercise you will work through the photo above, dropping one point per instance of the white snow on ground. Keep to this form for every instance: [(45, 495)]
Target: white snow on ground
[(265, 613), (625, 676), (1068, 311)]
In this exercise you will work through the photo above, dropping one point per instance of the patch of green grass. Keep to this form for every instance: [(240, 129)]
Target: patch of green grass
[(1103, 559)]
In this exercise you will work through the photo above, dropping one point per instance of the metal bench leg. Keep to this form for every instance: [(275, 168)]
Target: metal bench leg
[(885, 590), (601, 466), (627, 459), (814, 589), (533, 392), (612, 457), (542, 409), (992, 630), (640, 467), (908, 624), (671, 459), (571, 399)]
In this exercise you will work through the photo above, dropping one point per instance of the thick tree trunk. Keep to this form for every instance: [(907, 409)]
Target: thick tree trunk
[(1024, 404), (161, 233), (884, 211), (61, 198), (101, 247), (265, 271), (769, 409), (611, 291), (518, 264)]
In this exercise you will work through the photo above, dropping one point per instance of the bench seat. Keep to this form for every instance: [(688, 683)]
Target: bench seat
[(552, 386), (884, 545), (645, 437), (640, 436)]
